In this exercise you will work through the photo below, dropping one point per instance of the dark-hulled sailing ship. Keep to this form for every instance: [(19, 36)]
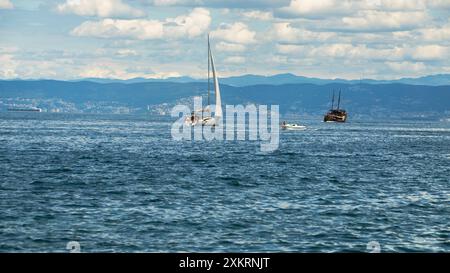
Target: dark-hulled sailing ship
[(336, 115)]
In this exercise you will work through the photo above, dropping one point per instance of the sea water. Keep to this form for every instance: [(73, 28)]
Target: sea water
[(119, 183)]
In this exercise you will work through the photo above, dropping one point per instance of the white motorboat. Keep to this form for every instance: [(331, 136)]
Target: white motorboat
[(292, 126)]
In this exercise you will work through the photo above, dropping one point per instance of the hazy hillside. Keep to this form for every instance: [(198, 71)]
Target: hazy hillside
[(369, 100), (246, 80), (432, 80)]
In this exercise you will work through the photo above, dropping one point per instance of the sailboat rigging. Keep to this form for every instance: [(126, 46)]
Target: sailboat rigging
[(338, 114), (208, 120)]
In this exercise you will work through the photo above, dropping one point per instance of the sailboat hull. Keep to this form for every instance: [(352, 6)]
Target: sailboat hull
[(208, 121), (335, 116)]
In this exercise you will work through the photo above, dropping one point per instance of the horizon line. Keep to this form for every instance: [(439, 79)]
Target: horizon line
[(235, 76)]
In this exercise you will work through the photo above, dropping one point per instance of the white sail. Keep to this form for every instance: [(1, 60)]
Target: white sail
[(204, 110), (218, 112), (207, 120)]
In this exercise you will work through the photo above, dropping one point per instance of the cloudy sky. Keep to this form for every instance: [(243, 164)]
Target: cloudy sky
[(71, 39)]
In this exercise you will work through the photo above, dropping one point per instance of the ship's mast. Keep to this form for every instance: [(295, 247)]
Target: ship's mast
[(332, 102), (209, 64), (339, 99)]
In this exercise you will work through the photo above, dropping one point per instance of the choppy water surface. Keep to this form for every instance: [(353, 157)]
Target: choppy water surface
[(121, 184)]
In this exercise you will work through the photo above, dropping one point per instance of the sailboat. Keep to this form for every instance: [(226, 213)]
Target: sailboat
[(205, 117), (336, 115)]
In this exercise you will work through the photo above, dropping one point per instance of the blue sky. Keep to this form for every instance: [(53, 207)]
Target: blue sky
[(71, 39)]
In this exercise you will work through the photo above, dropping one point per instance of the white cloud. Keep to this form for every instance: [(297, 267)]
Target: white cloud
[(402, 5), (230, 47), (100, 72), (105, 63), (340, 51), (315, 8), (258, 14), (430, 53), (112, 70), (222, 3), (14, 66), (108, 70), (425, 53), (291, 49), (234, 33), (343, 51), (8, 66), (130, 29), (191, 25), (395, 5), (234, 60), (167, 2), (100, 8), (372, 20), (363, 15), (8, 49), (6, 4), (321, 37), (438, 4), (436, 34), (284, 32), (125, 52), (406, 67)]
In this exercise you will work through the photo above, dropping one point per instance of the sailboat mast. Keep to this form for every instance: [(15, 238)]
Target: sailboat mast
[(332, 102), (209, 64), (218, 112), (339, 100)]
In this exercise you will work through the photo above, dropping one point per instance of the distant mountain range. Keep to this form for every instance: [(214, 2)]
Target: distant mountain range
[(382, 101), (247, 80)]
